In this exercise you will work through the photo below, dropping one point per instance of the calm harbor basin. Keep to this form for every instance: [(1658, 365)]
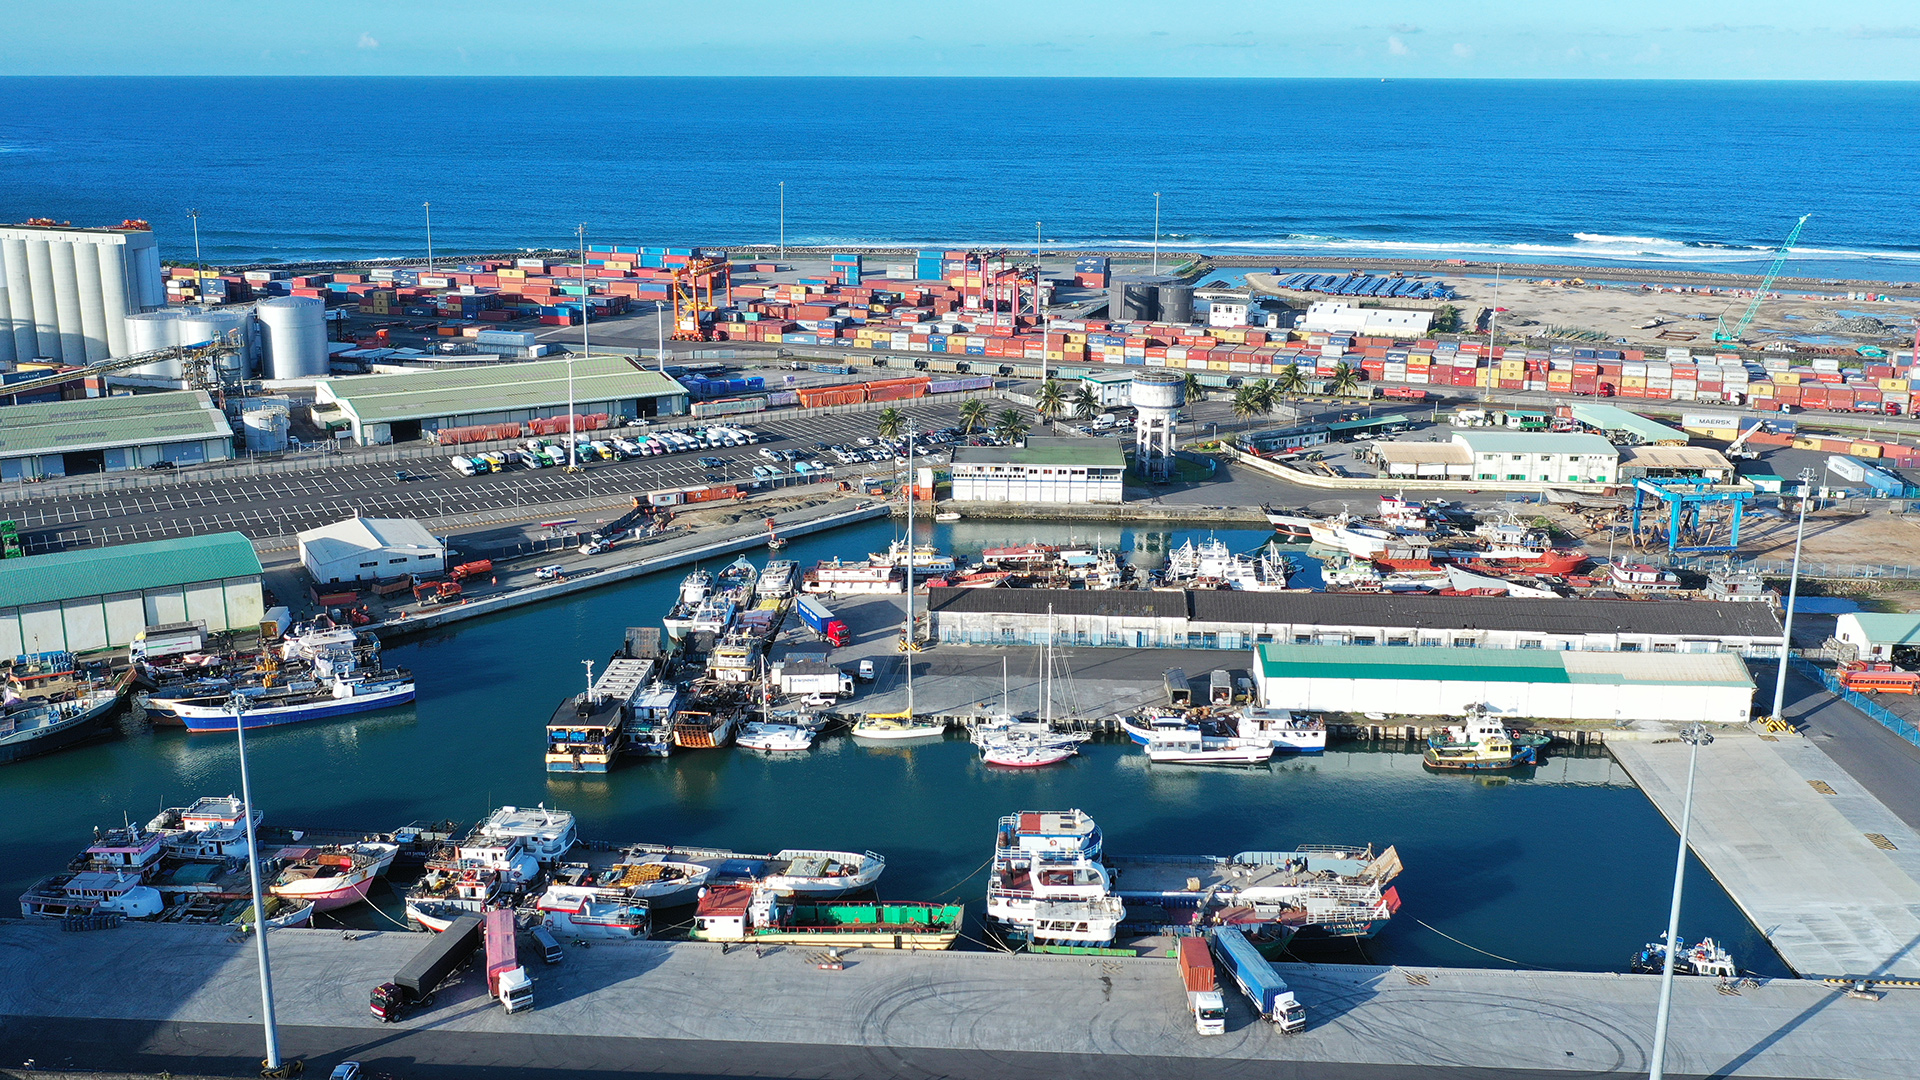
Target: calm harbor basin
[(1564, 866)]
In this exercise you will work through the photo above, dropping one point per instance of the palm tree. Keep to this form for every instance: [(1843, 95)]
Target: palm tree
[(1345, 379), (973, 414), (1051, 401), (1246, 402), (892, 423), (1195, 392), (1265, 395), (1085, 402), (1289, 382), (1010, 425)]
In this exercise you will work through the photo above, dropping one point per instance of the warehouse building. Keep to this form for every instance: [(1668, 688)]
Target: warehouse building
[(1209, 619), (1110, 388), (1876, 635), (112, 434), (1340, 317), (65, 293), (1541, 456), (79, 601), (365, 549), (399, 408), (1042, 471), (1621, 426), (1675, 462), (1424, 460), (1713, 688)]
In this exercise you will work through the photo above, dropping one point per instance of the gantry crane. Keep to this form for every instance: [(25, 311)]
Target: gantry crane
[(693, 300), (1729, 337)]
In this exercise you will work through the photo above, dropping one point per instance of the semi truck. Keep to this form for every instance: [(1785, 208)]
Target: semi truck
[(507, 981), (820, 620), (412, 986), (1209, 1009), (1258, 980)]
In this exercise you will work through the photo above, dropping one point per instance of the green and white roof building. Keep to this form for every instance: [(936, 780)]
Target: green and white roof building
[(399, 408), (99, 598), (1045, 470), (111, 434)]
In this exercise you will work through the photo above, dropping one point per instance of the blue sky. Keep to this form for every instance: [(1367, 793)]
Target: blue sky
[(1764, 39)]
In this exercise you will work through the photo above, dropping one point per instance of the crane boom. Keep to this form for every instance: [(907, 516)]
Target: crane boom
[(1724, 336)]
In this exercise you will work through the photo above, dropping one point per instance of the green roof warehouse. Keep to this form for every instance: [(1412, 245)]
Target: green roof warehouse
[(99, 598), (398, 408)]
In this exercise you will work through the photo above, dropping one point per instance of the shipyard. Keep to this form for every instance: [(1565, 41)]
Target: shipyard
[(442, 639)]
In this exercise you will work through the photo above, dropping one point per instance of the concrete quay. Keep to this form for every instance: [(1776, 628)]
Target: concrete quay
[(1821, 866), (190, 1004)]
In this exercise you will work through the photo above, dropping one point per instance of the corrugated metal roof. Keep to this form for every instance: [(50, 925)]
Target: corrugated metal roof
[(1882, 628), (1094, 453), (1674, 457), (490, 388), (1501, 665), (1157, 604), (66, 575), (1416, 452), (1615, 418), (1534, 442), (123, 420)]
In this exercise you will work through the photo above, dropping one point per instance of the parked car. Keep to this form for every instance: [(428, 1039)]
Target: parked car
[(550, 573)]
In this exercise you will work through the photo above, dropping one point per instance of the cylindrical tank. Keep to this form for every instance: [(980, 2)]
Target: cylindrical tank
[(295, 333), (153, 330), (6, 329), (66, 303), (93, 304), (1159, 390), (1175, 303), (113, 293), (265, 429), (200, 327), (13, 260), (46, 321)]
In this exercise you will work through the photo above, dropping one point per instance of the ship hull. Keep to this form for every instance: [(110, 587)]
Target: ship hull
[(92, 723), (340, 892), (205, 718)]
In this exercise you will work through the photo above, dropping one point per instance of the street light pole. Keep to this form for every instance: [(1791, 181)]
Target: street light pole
[(572, 446), (783, 219), (195, 215), (429, 209), (1793, 594), (238, 704), (1695, 736), (1156, 232)]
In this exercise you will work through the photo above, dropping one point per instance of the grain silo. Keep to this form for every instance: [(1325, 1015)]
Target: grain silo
[(150, 331), (69, 291)]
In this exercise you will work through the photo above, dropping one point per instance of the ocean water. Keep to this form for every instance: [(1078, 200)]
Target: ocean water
[(1564, 866), (1705, 175)]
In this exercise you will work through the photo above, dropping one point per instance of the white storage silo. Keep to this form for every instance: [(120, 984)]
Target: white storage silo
[(6, 321), (294, 329), (265, 429), (13, 260), (93, 304), (198, 327), (153, 330)]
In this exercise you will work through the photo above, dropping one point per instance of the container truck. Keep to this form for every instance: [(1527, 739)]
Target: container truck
[(1258, 980), (821, 621), (1209, 1009), (412, 987), (507, 981)]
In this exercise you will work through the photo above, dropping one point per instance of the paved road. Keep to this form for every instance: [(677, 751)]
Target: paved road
[(278, 505), (1881, 761)]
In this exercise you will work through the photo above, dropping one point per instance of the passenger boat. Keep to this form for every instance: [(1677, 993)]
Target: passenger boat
[(542, 833), (1479, 744), (925, 559), (740, 913), (29, 729), (1705, 958), (693, 590), (853, 578), (297, 702), (759, 735), (1047, 885), (1019, 556), (589, 730), (326, 877), (897, 726), (778, 580), (212, 828), (1198, 748), (595, 914)]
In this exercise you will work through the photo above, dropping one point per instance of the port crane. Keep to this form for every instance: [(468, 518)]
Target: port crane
[(693, 298), (198, 366), (1729, 336)]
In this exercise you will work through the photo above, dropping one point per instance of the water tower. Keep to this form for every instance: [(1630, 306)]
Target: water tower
[(1158, 396)]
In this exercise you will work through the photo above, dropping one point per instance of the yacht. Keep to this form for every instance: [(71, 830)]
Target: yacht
[(1047, 886), (546, 834), (761, 735)]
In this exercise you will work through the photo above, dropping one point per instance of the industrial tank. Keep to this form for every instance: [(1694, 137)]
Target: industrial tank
[(152, 330), (1159, 390), (265, 430), (1131, 297), (294, 329), (200, 327), (1175, 303)]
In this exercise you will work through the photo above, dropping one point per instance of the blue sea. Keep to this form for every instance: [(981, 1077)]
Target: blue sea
[(1707, 175)]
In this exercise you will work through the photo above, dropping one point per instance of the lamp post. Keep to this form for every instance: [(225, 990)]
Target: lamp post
[(195, 215), (238, 705), (428, 207), (1156, 232), (660, 334), (783, 219), (1695, 736), (584, 309), (1793, 594)]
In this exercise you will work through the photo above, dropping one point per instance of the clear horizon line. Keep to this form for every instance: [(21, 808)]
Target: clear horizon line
[(961, 78)]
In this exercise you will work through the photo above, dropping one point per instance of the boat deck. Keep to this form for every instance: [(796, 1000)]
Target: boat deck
[(1190, 877)]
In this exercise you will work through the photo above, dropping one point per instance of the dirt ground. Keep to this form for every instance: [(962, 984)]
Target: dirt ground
[(1838, 535)]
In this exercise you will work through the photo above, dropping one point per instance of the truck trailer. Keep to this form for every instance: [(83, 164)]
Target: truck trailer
[(507, 981), (412, 987), (1209, 1009), (1258, 980), (820, 619)]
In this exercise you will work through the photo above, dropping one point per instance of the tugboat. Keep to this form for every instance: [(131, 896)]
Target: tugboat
[(1480, 744), (1706, 958)]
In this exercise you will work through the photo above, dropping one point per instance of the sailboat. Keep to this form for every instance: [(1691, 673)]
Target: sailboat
[(1018, 745), (902, 725)]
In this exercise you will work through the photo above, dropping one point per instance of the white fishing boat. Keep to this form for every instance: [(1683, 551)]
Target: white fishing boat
[(778, 580), (340, 693), (925, 559), (693, 590), (327, 877), (1197, 748), (821, 873), (381, 852), (1153, 724), (762, 735), (594, 914), (212, 828), (1281, 729), (660, 879), (282, 912), (543, 833)]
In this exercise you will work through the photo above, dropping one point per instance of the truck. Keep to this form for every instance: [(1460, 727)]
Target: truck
[(169, 639), (436, 592), (1258, 980), (471, 569), (467, 466), (507, 981), (821, 621), (1209, 1009), (412, 986)]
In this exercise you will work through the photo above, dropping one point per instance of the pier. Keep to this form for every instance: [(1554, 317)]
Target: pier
[(191, 1006)]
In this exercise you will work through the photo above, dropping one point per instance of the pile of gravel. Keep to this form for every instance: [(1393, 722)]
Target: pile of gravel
[(1858, 325)]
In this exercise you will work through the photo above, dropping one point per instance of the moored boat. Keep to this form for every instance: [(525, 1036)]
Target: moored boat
[(1197, 748), (328, 878), (545, 834), (760, 735), (1705, 958), (29, 729), (298, 702), (739, 913), (897, 726), (925, 559), (585, 912), (693, 591), (1479, 744)]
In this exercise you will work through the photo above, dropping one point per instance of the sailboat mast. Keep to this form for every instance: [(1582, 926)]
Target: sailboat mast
[(1046, 678)]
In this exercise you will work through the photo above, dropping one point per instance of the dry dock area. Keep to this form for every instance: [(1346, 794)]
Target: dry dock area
[(190, 1004), (1792, 838)]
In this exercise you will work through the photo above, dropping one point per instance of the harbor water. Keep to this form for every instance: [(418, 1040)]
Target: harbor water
[(1564, 866)]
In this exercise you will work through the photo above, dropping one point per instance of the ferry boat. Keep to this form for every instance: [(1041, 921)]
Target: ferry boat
[(1480, 744), (761, 735), (1047, 885), (853, 578), (297, 702), (1706, 958), (543, 833), (740, 913), (778, 580), (595, 914), (925, 559), (326, 877), (589, 730), (693, 591), (29, 729)]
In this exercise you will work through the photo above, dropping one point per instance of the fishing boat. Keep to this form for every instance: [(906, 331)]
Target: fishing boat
[(650, 719), (817, 874), (297, 702), (467, 878), (1291, 524), (1150, 725), (761, 735), (326, 877), (31, 728), (380, 851), (897, 726), (1285, 731), (778, 580), (761, 916), (212, 828), (707, 723), (1199, 748), (543, 833), (694, 588), (595, 914), (282, 912), (661, 880), (738, 578), (1479, 744), (1317, 892), (925, 559), (1706, 958)]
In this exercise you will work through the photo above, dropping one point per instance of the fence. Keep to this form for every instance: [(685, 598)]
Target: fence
[(1874, 709), (1780, 568)]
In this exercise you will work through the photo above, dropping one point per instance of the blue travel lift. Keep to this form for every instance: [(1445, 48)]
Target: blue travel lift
[(1685, 497)]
